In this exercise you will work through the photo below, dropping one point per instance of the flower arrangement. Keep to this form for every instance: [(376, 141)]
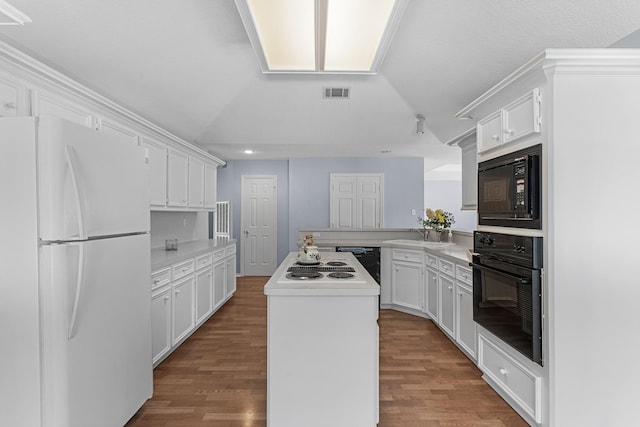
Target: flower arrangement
[(437, 220)]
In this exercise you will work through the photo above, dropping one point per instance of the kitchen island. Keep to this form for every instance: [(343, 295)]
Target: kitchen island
[(322, 346)]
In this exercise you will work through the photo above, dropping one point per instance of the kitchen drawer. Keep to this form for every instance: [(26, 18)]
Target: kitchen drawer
[(447, 267), (160, 278), (183, 269), (204, 260), (230, 250), (518, 382), (464, 274), (407, 255), (432, 260), (218, 254)]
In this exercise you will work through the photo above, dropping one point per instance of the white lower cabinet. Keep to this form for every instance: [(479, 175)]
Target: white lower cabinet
[(407, 279), (520, 386), (204, 294), (230, 254), (184, 316), (431, 294), (161, 323), (467, 329), (186, 294), (446, 304), (219, 283)]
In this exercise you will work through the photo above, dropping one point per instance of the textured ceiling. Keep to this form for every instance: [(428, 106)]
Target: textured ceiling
[(188, 66)]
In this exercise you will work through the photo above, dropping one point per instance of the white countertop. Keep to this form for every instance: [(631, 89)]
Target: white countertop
[(456, 252), (161, 258), (337, 287)]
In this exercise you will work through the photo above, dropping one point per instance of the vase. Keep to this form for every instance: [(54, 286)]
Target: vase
[(435, 235)]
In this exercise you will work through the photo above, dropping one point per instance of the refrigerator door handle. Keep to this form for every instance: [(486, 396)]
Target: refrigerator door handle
[(73, 168), (79, 284)]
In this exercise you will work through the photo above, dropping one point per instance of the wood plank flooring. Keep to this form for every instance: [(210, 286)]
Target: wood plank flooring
[(218, 376)]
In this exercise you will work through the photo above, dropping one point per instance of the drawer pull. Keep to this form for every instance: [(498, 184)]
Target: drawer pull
[(166, 297), (10, 105), (503, 371), (156, 281), (185, 269), (450, 287), (177, 291)]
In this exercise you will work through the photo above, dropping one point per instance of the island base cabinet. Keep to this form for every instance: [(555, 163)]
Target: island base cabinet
[(322, 361)]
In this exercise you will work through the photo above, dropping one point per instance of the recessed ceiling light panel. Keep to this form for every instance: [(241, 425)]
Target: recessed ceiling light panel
[(320, 36), (9, 15)]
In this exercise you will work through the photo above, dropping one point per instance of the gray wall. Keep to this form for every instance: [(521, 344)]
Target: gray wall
[(447, 195), (303, 191), (309, 189)]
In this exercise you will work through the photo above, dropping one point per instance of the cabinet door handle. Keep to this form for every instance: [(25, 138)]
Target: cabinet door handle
[(10, 105), (166, 297), (509, 132), (503, 371), (495, 137), (450, 287), (177, 291), (156, 281)]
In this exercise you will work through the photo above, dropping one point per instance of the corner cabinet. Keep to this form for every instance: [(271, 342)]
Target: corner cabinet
[(423, 283), (407, 278), (186, 294)]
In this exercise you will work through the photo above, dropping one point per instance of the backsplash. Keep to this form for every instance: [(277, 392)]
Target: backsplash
[(184, 226)]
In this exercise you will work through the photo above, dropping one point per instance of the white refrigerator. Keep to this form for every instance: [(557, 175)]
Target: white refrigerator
[(75, 331)]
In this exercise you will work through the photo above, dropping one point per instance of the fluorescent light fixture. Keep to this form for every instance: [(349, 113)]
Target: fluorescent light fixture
[(248, 151), (9, 15), (320, 36)]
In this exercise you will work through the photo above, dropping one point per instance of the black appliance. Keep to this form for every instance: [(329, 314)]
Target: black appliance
[(507, 289), (509, 189), (369, 257)]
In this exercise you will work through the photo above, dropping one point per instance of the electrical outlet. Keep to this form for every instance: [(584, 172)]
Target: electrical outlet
[(413, 212)]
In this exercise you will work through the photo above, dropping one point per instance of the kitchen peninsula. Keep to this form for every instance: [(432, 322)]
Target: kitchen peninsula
[(322, 344)]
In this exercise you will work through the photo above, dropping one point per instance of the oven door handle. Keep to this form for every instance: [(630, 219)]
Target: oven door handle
[(522, 280)]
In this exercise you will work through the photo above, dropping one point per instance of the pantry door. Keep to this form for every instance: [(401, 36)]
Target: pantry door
[(258, 233)]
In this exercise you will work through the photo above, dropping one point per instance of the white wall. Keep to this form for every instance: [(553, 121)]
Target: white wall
[(184, 226), (447, 195)]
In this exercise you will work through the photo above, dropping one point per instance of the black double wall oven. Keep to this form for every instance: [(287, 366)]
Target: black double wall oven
[(507, 267), (507, 289)]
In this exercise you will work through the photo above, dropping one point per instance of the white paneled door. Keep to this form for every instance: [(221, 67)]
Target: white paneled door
[(258, 229), (356, 200)]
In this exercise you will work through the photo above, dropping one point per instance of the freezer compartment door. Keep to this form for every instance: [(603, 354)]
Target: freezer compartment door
[(103, 374), (89, 183)]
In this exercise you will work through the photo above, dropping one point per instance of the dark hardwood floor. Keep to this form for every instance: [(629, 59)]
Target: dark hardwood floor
[(218, 376)]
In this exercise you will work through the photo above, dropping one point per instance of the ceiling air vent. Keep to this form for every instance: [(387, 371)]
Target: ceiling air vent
[(336, 92)]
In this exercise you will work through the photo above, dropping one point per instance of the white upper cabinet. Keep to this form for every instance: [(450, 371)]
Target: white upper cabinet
[(156, 153), (196, 183), (47, 104), (516, 120), (113, 128), (490, 132), (177, 178), (13, 98), (210, 185)]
